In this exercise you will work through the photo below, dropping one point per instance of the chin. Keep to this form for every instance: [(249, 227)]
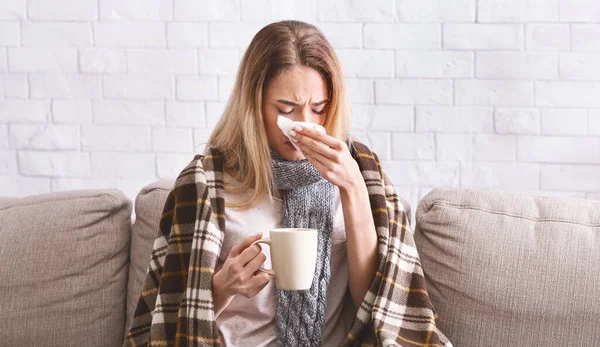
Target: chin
[(288, 152)]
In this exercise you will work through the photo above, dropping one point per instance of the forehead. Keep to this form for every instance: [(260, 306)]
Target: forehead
[(300, 84)]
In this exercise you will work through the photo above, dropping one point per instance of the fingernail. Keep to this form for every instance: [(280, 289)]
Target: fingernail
[(294, 140), (299, 128), (292, 133)]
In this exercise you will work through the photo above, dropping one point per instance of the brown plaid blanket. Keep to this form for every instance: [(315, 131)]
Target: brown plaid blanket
[(176, 308)]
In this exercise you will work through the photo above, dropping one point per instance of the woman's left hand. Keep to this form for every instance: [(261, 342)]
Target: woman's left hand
[(330, 156)]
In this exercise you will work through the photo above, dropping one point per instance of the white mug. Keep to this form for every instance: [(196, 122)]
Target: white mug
[(293, 255)]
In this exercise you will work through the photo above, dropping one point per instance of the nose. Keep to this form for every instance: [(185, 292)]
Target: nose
[(304, 115)]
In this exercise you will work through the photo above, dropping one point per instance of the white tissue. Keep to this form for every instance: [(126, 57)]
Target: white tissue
[(286, 124)]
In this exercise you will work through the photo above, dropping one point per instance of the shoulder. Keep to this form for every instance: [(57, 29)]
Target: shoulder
[(204, 171), (366, 158)]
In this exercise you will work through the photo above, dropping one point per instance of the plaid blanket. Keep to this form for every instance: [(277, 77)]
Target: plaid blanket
[(176, 307)]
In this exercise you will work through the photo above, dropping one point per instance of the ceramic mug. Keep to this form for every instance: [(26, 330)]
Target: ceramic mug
[(293, 256)]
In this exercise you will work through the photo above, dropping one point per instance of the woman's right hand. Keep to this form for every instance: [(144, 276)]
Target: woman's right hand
[(239, 274)]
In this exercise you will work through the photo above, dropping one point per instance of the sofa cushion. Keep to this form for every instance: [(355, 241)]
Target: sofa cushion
[(149, 206), (64, 264), (511, 270)]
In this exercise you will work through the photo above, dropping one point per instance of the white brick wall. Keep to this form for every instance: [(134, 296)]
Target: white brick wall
[(471, 93)]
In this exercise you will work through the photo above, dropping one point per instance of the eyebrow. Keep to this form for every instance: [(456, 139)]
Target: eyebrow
[(291, 103)]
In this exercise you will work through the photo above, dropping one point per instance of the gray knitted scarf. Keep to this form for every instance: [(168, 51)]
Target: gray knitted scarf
[(308, 202)]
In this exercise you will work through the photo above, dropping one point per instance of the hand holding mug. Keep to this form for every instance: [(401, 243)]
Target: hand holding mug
[(239, 274)]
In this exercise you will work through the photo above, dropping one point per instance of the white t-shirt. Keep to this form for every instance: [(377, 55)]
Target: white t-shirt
[(251, 322)]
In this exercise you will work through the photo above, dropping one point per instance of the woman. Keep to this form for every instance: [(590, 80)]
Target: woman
[(203, 285)]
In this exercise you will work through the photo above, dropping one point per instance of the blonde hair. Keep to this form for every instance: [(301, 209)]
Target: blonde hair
[(240, 133)]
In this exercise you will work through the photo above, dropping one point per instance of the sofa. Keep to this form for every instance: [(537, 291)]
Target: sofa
[(502, 269)]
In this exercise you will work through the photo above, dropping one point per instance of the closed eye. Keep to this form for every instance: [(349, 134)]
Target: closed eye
[(283, 112)]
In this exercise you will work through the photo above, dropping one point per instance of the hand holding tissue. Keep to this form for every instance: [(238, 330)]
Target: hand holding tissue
[(286, 124)]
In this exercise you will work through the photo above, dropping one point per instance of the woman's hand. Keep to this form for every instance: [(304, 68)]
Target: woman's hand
[(330, 156), (239, 274)]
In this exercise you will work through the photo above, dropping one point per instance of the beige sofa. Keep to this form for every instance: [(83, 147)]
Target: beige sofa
[(502, 269)]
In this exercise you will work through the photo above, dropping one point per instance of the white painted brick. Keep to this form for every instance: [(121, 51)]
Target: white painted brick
[(130, 35), (403, 36), (168, 166), (63, 184), (366, 63), (356, 11), (361, 91), (72, 111), (139, 86), (193, 88), (434, 64), (413, 147), (162, 61), (343, 35), (563, 150), (580, 66), (102, 60), (571, 177), (27, 59), (4, 137), (547, 37), (187, 35), (407, 92), (516, 65), (454, 119), (579, 10), (214, 110), (124, 165), (378, 142), (483, 36), (585, 37), (63, 10), (594, 123), (226, 84), (62, 164), (206, 10), (21, 111), (232, 35), (172, 140), (564, 121), (517, 11), (129, 112), (8, 163), (434, 174), (44, 136), (517, 176), (13, 9), (517, 121), (3, 60), (201, 137), (218, 61), (19, 186), (115, 138), (136, 10), (186, 114), (494, 92), (64, 86), (56, 34), (383, 118), (13, 86), (10, 33), (567, 94), (475, 147), (274, 10), (436, 10)]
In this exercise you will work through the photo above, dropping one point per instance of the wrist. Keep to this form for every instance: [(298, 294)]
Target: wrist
[(219, 289)]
